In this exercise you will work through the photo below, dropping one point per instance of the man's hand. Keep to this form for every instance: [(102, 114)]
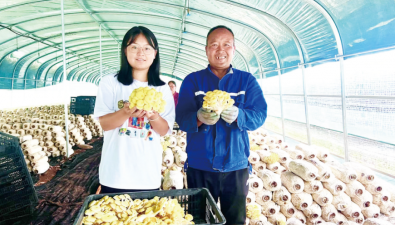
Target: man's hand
[(230, 114), (209, 118), (134, 112)]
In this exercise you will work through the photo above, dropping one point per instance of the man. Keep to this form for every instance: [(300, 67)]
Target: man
[(172, 86), (218, 145)]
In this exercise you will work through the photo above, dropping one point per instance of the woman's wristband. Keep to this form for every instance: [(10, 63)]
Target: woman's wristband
[(154, 119)]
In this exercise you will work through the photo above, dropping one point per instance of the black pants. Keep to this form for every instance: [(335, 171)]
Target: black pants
[(230, 187), (107, 190)]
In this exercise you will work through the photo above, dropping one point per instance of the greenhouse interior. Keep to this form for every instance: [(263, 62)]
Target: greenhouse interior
[(326, 69)]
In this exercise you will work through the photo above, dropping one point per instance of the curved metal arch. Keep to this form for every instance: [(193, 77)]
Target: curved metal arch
[(24, 60), (21, 4), (331, 22), (245, 62), (174, 59), (82, 5), (41, 56), (193, 56), (86, 38), (97, 76), (73, 59), (73, 71), (31, 43), (81, 71), (165, 66), (56, 75), (81, 74), (179, 68), (213, 14), (115, 61), (84, 53)]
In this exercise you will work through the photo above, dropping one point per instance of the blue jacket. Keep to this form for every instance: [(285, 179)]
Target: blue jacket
[(221, 147)]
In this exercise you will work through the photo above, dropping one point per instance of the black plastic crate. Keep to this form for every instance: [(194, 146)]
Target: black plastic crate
[(89, 100), (198, 202), (82, 110), (10, 157), (8, 143), (12, 165), (16, 185), (15, 175), (14, 197), (18, 215), (11, 208)]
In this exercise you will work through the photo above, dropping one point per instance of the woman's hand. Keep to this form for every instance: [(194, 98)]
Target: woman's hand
[(152, 115), (133, 112)]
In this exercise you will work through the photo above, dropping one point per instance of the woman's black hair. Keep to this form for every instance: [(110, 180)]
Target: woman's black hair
[(124, 75)]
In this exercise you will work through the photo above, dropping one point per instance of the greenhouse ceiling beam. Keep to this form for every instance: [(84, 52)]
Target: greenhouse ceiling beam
[(100, 23), (180, 34)]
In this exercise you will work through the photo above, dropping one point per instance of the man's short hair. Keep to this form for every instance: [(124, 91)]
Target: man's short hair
[(219, 27), (172, 82)]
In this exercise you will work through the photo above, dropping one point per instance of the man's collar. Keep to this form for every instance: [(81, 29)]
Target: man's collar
[(230, 70)]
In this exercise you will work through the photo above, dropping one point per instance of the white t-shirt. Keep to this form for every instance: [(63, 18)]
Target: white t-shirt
[(132, 154)]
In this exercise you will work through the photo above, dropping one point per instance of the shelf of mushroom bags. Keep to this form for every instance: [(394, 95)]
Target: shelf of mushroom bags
[(296, 184), (42, 135)]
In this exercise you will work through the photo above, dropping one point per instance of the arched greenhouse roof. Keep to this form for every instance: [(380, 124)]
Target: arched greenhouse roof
[(270, 34)]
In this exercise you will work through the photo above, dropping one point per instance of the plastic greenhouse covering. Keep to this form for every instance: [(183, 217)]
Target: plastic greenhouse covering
[(326, 67)]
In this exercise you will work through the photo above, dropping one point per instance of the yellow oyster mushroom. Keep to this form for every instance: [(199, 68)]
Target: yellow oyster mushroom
[(140, 104), (140, 95)]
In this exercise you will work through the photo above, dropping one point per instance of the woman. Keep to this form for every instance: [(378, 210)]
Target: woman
[(132, 153)]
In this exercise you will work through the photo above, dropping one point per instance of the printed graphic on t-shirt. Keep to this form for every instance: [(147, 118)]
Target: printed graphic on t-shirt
[(120, 104), (137, 128), (122, 131)]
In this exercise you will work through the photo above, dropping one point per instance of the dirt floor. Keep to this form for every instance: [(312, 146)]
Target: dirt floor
[(61, 198)]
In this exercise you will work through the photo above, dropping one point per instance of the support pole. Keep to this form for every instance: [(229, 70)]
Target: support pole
[(101, 63), (281, 103), (66, 117), (344, 109), (306, 106)]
